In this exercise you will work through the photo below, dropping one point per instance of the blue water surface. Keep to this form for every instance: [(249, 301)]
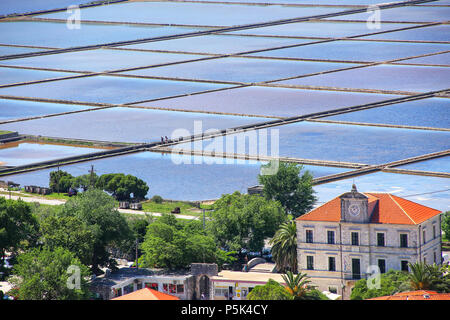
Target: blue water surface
[(17, 109), (107, 89), (16, 154), (26, 6), (269, 101), (197, 178), (433, 112), (127, 124)]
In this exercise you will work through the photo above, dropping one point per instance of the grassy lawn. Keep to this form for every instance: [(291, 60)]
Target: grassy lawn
[(51, 196), (167, 207), (4, 132)]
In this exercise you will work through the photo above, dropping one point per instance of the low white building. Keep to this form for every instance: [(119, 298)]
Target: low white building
[(236, 285), (356, 234)]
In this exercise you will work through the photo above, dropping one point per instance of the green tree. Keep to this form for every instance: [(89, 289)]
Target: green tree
[(97, 211), (85, 181), (18, 227), (420, 277), (429, 277), (391, 282), (445, 226), (43, 274), (272, 290), (139, 226), (284, 247), (244, 221), (122, 186), (163, 247), (297, 286), (68, 232), (61, 181), (294, 192), (170, 244)]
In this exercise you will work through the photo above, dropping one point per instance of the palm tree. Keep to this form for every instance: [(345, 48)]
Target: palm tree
[(284, 247), (421, 277), (296, 285)]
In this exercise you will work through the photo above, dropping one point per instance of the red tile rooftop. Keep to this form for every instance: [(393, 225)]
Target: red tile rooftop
[(384, 208), (416, 295)]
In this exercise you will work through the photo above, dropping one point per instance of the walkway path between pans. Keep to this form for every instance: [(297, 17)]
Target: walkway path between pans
[(218, 30), (236, 130)]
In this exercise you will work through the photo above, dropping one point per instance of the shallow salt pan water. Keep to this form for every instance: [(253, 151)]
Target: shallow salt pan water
[(37, 33), (336, 142), (212, 14), (106, 89), (16, 154), (380, 77), (434, 112), (126, 124), (16, 109), (269, 101), (239, 69)]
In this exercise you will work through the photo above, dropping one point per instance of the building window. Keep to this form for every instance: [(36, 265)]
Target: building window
[(309, 236), (330, 237), (382, 265), (424, 236), (310, 262), (403, 240), (180, 288), (434, 232), (152, 285), (355, 239), (380, 239), (404, 265), (172, 288), (221, 292), (356, 269), (331, 264)]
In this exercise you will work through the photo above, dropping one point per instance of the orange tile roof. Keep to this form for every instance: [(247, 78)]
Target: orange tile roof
[(330, 211), (416, 295), (385, 208), (146, 294)]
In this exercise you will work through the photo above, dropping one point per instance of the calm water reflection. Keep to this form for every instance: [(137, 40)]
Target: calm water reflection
[(170, 180)]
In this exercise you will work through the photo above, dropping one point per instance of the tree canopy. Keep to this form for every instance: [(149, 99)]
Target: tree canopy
[(44, 274), (97, 211), (170, 244), (292, 190), (18, 227), (391, 282), (121, 186), (284, 247), (446, 224), (61, 181), (244, 221), (68, 232), (295, 288)]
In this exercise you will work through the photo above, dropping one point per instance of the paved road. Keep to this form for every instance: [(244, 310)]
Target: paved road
[(54, 202)]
